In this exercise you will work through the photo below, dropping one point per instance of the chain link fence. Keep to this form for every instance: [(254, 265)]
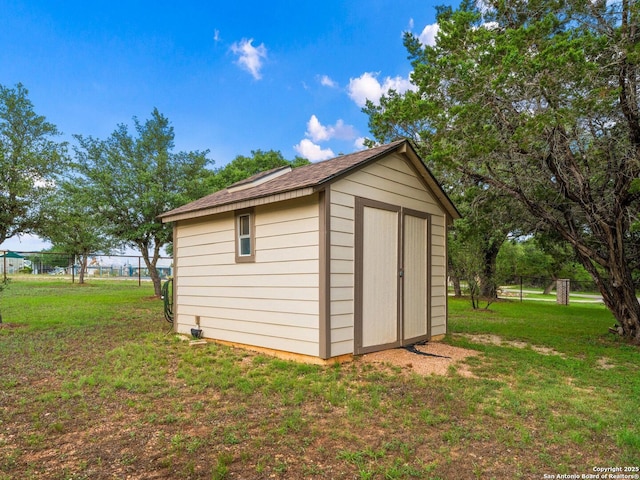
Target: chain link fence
[(130, 267), (535, 288), (548, 284)]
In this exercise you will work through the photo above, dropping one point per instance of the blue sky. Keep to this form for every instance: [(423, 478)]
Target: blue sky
[(232, 77)]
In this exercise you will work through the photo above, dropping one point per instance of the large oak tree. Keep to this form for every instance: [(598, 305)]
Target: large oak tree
[(540, 100), (133, 178)]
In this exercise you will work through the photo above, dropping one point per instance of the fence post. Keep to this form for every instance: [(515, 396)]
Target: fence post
[(562, 291), (4, 269), (139, 273)]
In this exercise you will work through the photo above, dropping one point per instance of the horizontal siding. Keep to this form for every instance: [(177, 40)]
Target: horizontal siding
[(343, 320), (342, 335), (292, 240), (213, 238), (438, 330), (344, 266), (253, 269), (384, 182), (342, 280), (285, 280), (280, 229), (272, 302), (249, 316), (252, 292), (307, 335), (339, 252), (342, 239), (342, 307), (207, 248), (341, 293), (391, 180), (342, 212), (344, 347), (252, 304), (291, 343), (342, 225)]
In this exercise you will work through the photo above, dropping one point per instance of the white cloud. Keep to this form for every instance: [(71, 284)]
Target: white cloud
[(428, 35), (316, 131), (216, 35), (359, 143), (313, 152), (326, 81), (367, 87), (411, 23), (249, 57), (320, 133)]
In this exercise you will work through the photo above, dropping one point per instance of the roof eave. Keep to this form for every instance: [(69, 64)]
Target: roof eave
[(231, 206), (431, 181)]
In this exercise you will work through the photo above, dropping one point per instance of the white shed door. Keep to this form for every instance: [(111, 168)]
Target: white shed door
[(392, 276), (379, 276), (415, 273), (377, 324)]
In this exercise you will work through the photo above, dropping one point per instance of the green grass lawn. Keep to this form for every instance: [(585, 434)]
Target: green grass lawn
[(93, 385)]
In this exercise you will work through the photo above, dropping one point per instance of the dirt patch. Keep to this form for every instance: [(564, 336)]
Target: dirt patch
[(605, 363), (441, 357), (488, 339), (11, 325)]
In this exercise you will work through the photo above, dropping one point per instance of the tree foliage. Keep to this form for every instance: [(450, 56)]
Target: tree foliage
[(539, 261), (132, 178), (540, 101), (73, 226), (488, 216), (243, 167), (29, 162)]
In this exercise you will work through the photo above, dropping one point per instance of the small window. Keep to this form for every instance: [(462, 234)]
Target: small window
[(244, 236)]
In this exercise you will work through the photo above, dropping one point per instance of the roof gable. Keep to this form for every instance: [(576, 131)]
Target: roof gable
[(304, 181)]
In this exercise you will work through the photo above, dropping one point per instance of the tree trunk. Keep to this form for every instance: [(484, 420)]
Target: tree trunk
[(549, 288), (457, 288), (151, 263), (617, 289), (83, 268), (455, 278), (625, 306), (488, 286), (622, 301)]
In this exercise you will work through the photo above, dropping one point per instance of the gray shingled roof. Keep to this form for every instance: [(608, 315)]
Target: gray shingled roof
[(313, 175)]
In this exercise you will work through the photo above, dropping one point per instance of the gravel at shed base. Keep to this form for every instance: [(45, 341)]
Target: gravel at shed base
[(422, 364)]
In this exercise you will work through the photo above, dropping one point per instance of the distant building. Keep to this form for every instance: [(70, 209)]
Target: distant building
[(12, 262)]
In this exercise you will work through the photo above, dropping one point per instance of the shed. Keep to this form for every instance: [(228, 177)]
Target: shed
[(11, 262), (318, 263)]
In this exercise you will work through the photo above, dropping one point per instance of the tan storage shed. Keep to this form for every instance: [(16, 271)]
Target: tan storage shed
[(332, 259)]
